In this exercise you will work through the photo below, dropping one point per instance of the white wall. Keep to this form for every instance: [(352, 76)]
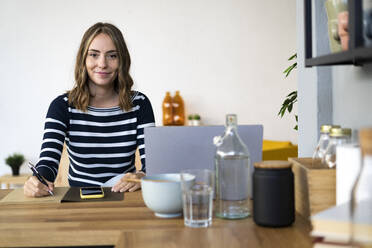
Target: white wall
[(223, 55), (315, 92), (352, 101)]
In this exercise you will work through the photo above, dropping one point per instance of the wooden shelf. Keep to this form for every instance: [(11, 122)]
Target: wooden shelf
[(341, 58), (363, 54), (10, 179), (357, 53)]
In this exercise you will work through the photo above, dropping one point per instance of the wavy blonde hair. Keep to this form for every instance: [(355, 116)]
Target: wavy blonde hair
[(79, 95)]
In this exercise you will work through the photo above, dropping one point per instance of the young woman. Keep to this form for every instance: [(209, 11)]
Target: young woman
[(101, 119)]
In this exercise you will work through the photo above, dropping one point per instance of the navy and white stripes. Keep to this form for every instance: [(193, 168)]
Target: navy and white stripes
[(101, 142)]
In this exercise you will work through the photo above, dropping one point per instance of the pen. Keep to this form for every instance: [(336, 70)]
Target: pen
[(41, 179)]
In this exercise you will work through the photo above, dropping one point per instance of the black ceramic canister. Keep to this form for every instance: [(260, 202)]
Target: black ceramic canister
[(273, 194)]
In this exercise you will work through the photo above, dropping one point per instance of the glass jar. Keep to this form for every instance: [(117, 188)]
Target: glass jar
[(338, 136), (323, 142), (233, 181), (361, 195)]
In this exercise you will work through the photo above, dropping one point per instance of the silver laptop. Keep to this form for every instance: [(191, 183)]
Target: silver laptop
[(171, 149)]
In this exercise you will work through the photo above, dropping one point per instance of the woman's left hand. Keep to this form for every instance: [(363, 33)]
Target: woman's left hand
[(123, 185)]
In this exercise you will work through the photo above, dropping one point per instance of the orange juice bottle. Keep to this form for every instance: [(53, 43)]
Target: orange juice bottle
[(178, 110), (167, 110)]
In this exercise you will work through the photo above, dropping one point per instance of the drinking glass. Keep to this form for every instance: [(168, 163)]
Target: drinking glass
[(197, 196)]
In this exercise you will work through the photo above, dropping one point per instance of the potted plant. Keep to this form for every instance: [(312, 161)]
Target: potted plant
[(15, 161), (194, 120)]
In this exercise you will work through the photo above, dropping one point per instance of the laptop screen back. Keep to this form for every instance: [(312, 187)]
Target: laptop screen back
[(171, 149)]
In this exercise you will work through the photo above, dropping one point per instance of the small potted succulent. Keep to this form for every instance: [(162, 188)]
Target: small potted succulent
[(15, 161), (194, 120)]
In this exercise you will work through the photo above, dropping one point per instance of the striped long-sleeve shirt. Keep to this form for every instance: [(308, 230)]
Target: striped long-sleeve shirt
[(101, 142)]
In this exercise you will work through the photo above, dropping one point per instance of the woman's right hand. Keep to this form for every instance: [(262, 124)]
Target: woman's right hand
[(34, 188)]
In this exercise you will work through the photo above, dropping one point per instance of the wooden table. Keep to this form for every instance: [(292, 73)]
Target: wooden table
[(130, 223), (10, 179)]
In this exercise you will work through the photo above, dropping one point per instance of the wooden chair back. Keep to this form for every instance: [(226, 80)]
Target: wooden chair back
[(62, 180)]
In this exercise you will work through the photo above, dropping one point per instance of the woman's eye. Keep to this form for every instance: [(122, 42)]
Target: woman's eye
[(113, 56), (93, 55)]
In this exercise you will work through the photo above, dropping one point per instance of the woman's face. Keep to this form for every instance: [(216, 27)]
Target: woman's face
[(102, 61)]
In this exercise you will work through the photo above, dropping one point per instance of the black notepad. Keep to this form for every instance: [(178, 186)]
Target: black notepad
[(73, 195)]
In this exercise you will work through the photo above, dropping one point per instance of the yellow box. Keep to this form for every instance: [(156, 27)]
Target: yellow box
[(278, 150)]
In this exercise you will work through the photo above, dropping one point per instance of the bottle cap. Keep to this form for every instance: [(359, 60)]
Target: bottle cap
[(327, 128), (273, 164), (340, 132), (231, 119), (365, 140)]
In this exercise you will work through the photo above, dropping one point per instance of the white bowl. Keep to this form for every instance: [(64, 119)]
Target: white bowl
[(164, 198)]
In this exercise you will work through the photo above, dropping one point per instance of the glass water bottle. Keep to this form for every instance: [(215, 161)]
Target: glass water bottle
[(233, 180)]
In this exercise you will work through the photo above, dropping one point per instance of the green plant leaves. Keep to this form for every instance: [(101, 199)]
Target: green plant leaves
[(296, 127), (15, 160), (294, 56), (291, 67), (193, 117), (291, 98), (287, 105)]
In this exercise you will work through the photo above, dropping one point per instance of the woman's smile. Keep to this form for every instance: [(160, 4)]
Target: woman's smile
[(103, 74)]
